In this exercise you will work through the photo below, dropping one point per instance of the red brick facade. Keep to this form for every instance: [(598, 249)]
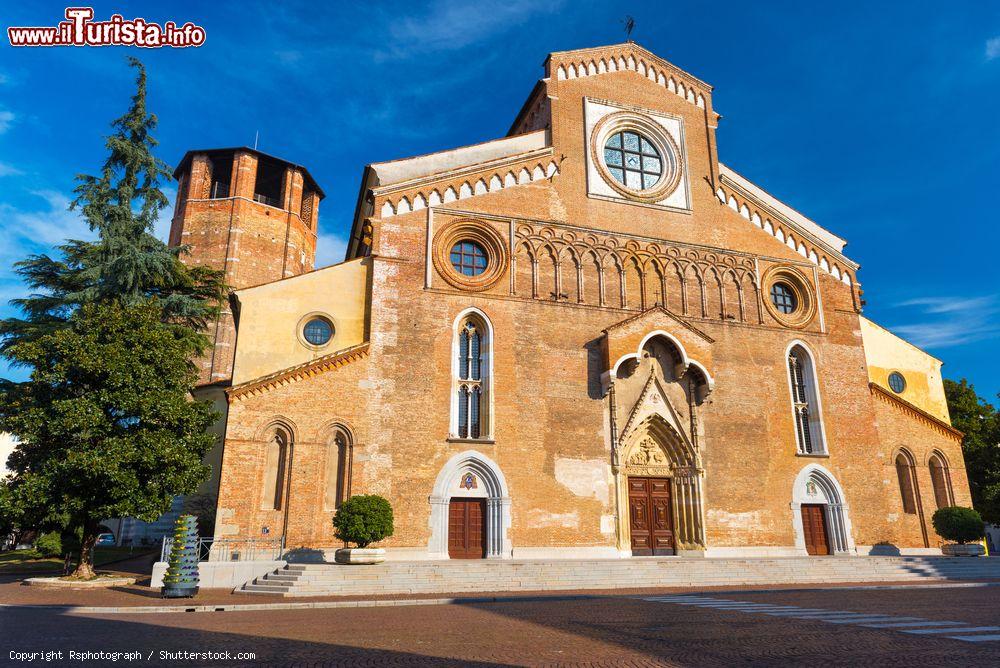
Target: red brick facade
[(623, 338)]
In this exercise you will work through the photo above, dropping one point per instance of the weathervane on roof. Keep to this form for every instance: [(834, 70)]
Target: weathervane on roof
[(629, 25)]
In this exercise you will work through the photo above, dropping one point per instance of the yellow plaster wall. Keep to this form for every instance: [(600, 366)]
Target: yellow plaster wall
[(271, 318), (885, 352)]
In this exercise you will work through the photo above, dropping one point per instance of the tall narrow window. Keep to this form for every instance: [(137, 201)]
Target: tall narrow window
[(805, 403), (470, 404), (941, 479), (275, 471), (904, 473)]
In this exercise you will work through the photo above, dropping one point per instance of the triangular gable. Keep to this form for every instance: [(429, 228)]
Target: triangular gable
[(646, 315), (653, 400)]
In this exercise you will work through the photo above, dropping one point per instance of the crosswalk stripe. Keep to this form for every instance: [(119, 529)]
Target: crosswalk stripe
[(912, 625), (903, 625), (992, 636), (864, 618), (951, 629)]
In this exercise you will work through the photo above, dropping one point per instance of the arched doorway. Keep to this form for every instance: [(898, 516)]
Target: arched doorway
[(658, 481), (470, 510), (819, 514)]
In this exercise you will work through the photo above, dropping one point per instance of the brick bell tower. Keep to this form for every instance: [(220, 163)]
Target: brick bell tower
[(251, 215)]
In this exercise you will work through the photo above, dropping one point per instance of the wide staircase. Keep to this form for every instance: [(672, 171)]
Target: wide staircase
[(445, 577)]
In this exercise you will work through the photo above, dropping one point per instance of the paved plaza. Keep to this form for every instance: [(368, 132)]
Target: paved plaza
[(897, 626)]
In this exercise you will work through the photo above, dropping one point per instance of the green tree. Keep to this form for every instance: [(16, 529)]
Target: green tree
[(106, 422), (106, 425), (980, 422)]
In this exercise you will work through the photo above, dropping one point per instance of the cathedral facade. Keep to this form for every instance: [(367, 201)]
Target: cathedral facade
[(588, 338)]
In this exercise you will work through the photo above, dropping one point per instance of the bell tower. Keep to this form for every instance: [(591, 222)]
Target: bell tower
[(251, 215)]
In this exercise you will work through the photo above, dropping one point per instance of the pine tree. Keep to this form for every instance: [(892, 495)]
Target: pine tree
[(106, 424), (127, 262)]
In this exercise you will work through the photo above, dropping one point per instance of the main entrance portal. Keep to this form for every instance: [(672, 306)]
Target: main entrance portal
[(466, 529), (650, 516)]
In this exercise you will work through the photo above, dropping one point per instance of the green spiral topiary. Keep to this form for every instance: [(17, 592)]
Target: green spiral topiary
[(363, 520), (181, 578)]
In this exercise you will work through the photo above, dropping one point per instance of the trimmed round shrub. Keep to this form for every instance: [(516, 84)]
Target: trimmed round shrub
[(363, 520), (49, 544), (959, 524)]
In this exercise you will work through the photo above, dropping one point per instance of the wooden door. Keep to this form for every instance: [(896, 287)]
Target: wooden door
[(814, 528), (651, 517), (467, 529)]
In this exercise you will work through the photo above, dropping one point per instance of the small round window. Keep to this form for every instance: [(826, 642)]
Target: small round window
[(468, 258), (318, 331), (783, 298), (633, 160), (896, 382)]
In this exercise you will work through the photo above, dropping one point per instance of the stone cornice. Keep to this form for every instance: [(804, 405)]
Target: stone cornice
[(916, 412), (295, 373)]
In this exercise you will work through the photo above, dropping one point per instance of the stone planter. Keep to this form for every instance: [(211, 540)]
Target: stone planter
[(359, 555), (966, 550)]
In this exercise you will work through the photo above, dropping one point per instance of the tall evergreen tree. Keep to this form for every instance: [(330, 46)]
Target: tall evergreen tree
[(980, 422), (106, 425), (126, 262)]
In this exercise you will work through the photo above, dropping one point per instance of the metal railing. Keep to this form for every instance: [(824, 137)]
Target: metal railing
[(232, 549)]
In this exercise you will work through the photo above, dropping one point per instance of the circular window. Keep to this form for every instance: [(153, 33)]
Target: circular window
[(788, 296), (318, 331), (468, 258), (896, 382), (633, 160), (637, 156), (469, 254), (783, 298)]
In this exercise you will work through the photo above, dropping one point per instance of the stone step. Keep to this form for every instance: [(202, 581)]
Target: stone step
[(527, 575)]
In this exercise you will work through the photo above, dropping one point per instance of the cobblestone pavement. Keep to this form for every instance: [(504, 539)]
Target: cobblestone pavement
[(602, 631)]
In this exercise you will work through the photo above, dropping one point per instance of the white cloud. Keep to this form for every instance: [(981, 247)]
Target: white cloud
[(330, 249), (449, 25), (951, 321), (6, 120), (993, 48), (43, 225), (9, 170)]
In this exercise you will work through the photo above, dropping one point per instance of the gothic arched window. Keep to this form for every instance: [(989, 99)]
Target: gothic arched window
[(805, 402), (471, 370), (907, 482), (941, 480), (338, 471), (275, 466)]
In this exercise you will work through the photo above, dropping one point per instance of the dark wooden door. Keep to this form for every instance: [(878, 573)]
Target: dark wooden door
[(651, 517), (814, 528), (466, 529)]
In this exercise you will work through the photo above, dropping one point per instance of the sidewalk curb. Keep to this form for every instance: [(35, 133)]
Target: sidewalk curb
[(247, 607), (453, 600)]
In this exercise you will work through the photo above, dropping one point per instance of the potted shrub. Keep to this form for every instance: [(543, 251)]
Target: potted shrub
[(964, 526), (362, 520)]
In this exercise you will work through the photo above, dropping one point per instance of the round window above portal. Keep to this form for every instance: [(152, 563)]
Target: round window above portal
[(468, 258), (897, 383), (633, 161), (783, 297), (636, 156)]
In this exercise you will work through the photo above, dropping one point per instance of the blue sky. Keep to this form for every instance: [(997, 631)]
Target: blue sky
[(877, 120)]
